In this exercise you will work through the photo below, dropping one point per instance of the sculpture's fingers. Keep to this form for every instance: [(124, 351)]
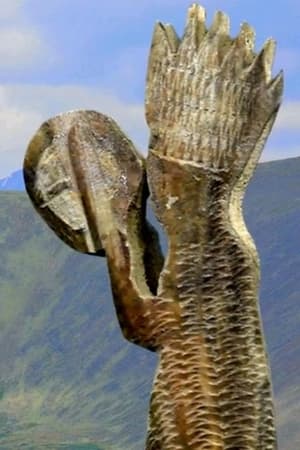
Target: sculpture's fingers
[(163, 50), (265, 120), (195, 30), (261, 67)]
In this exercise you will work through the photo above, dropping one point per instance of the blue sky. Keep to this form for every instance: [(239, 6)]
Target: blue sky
[(57, 55)]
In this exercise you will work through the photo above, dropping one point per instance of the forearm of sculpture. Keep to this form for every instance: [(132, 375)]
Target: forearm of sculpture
[(88, 182), (118, 206), (140, 313)]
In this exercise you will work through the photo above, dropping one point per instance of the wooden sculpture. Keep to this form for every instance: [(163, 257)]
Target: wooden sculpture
[(210, 106)]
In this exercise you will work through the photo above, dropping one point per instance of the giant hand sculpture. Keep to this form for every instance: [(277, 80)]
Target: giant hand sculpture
[(210, 105)]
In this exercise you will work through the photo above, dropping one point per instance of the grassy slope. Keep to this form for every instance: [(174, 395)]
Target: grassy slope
[(66, 374), (63, 360), (272, 212)]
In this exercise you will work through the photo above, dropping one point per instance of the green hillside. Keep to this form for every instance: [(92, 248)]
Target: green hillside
[(68, 379), (272, 212), (66, 373)]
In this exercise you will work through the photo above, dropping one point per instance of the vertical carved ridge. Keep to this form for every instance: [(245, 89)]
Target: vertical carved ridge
[(83, 186)]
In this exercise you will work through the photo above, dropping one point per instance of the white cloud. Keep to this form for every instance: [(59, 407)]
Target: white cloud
[(288, 118), (21, 43), (287, 121), (10, 9), (275, 153), (23, 108), (20, 47)]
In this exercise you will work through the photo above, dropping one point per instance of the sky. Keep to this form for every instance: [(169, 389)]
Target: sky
[(60, 55)]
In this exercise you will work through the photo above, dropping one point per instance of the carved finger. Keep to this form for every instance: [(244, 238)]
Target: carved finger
[(195, 30), (163, 49)]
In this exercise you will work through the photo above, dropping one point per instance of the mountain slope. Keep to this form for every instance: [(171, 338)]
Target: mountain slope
[(63, 359), (272, 212), (14, 182), (68, 379)]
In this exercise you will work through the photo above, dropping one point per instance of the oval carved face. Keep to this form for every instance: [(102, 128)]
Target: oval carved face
[(82, 173)]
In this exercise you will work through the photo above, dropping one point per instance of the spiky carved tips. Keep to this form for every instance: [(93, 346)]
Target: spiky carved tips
[(195, 26), (202, 90), (221, 24)]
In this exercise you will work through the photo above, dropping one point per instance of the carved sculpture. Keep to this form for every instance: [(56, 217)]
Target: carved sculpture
[(210, 105)]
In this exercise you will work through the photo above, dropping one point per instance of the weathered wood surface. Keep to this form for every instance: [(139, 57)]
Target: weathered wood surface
[(210, 106)]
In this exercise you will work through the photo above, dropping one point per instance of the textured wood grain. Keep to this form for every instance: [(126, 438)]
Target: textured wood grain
[(210, 106)]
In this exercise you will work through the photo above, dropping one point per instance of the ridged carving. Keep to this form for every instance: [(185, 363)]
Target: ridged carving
[(210, 106)]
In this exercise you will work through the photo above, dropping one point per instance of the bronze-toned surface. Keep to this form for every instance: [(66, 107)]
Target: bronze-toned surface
[(210, 106)]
